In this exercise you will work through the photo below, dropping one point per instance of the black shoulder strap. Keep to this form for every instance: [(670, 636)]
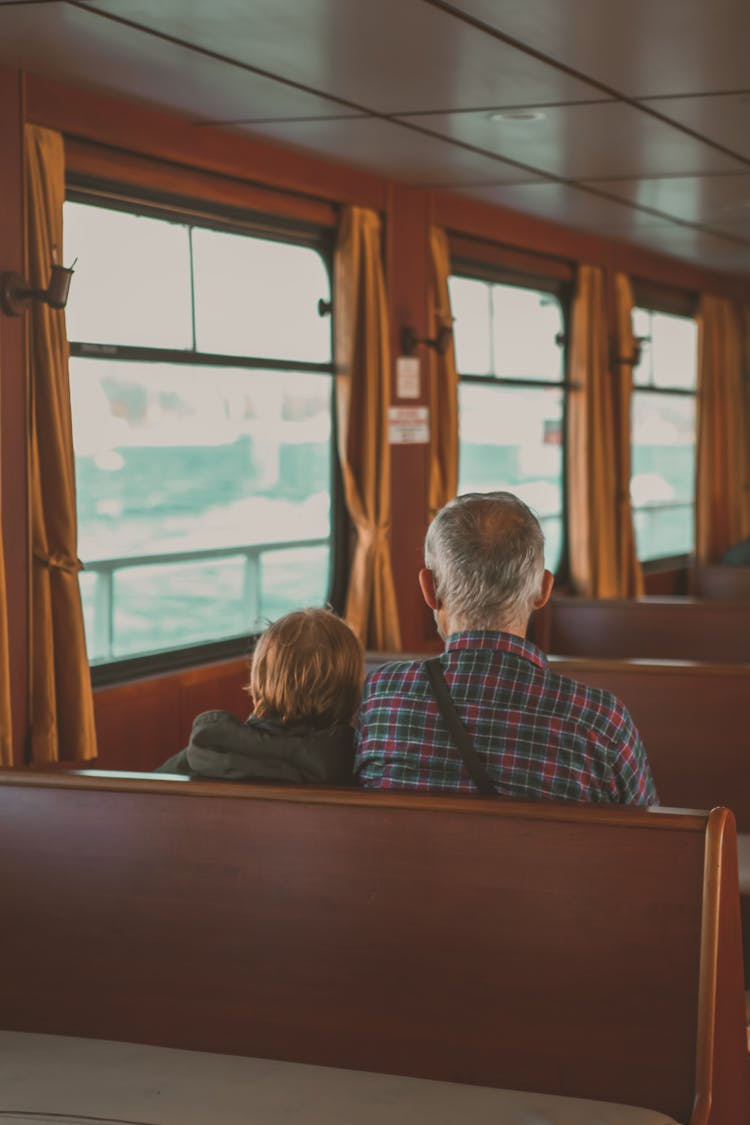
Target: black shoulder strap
[(461, 736)]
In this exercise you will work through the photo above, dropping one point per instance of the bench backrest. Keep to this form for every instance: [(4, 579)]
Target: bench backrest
[(694, 720), (649, 628), (580, 951), (722, 582), (695, 723)]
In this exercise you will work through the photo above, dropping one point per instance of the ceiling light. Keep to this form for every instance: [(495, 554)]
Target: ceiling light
[(519, 115)]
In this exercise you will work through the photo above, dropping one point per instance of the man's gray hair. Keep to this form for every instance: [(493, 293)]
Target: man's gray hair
[(486, 554)]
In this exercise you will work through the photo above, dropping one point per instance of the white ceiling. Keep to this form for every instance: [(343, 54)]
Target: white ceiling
[(644, 126)]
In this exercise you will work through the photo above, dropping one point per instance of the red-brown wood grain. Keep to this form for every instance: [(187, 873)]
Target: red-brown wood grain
[(534, 947), (648, 628), (13, 404)]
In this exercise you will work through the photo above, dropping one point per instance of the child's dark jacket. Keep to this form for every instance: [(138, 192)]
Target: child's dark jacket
[(223, 747)]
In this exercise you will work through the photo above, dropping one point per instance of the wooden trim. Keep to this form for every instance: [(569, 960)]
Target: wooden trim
[(530, 234), (148, 176), (123, 127), (651, 295), (122, 782), (653, 665), (708, 976), (14, 416), (509, 260)]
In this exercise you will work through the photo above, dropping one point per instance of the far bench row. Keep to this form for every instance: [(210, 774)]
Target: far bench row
[(648, 628)]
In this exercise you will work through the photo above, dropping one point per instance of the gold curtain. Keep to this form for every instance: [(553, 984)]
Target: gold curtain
[(629, 571), (62, 713), (363, 397), (721, 500), (592, 477), (443, 481)]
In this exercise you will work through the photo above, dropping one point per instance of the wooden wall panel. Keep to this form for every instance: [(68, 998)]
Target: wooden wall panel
[(138, 724), (13, 402), (407, 264), (527, 232), (141, 724), (116, 124)]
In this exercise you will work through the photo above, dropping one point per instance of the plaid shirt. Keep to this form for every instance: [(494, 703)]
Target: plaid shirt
[(538, 734)]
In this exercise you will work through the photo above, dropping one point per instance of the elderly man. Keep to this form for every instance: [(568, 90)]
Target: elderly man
[(506, 723)]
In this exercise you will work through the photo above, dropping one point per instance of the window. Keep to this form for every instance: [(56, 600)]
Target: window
[(201, 386), (510, 357), (662, 485)]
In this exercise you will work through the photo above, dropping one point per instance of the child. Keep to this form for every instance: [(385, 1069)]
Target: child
[(306, 680)]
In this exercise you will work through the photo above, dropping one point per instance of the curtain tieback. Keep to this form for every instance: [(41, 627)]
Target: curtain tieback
[(370, 535), (59, 561)]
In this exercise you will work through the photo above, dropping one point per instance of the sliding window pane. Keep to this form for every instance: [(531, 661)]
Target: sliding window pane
[(662, 485), (132, 281), (471, 306), (511, 440), (669, 350), (525, 326), (256, 297)]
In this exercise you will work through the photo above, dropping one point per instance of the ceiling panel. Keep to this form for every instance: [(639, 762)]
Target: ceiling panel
[(578, 207), (704, 248), (642, 48), (586, 141), (694, 199), (394, 150), (723, 118), (390, 56), (322, 76), (66, 43)]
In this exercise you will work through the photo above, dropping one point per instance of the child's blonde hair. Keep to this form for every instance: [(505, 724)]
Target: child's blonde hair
[(307, 665)]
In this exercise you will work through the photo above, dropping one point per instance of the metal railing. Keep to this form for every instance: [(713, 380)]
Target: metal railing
[(102, 640)]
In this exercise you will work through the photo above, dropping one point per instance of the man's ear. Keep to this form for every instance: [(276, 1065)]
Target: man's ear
[(548, 581), (427, 586)]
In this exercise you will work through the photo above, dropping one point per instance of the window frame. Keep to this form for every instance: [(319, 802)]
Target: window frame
[(188, 211), (655, 299), (560, 285)]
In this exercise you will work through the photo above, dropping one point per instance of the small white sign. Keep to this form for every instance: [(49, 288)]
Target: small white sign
[(409, 425), (407, 377)]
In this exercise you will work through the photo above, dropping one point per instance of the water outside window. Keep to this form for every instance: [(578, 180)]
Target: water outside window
[(204, 490)]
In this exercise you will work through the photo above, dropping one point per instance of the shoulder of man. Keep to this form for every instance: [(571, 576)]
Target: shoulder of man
[(392, 675), (603, 711)]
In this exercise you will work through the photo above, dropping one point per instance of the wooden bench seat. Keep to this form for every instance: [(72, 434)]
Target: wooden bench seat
[(574, 951), (647, 628), (100, 1080)]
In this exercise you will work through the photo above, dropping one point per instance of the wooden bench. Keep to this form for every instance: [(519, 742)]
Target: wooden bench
[(721, 582), (694, 720), (581, 951), (649, 628)]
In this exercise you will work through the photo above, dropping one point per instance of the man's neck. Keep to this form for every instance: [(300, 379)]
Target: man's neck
[(449, 629)]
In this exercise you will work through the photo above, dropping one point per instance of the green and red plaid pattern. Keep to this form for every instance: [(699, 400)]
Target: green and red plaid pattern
[(541, 736)]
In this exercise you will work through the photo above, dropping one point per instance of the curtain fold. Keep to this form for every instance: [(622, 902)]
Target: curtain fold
[(363, 399), (62, 713), (443, 382), (591, 443), (629, 570), (721, 497)]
